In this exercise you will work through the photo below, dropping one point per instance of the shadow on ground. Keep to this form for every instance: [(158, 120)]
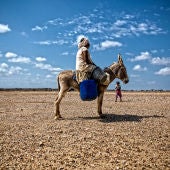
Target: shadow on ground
[(108, 118)]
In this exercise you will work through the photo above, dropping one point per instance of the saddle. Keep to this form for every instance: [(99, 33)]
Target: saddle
[(81, 76), (97, 74)]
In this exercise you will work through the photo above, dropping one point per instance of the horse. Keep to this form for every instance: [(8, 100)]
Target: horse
[(66, 82)]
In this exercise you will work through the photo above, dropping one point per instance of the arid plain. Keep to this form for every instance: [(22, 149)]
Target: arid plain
[(133, 135)]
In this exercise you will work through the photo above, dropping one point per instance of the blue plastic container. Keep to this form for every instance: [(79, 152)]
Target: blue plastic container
[(88, 90)]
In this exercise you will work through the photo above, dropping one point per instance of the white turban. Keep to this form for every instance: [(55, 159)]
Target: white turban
[(84, 42)]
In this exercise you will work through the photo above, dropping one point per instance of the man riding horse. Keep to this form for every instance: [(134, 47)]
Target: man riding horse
[(84, 70), (84, 64)]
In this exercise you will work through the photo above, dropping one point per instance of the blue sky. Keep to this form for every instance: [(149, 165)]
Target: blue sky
[(38, 39)]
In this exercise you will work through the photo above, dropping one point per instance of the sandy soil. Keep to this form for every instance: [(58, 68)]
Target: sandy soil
[(133, 135)]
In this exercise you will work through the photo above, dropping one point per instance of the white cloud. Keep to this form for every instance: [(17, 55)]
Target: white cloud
[(20, 60), (147, 28), (40, 59), (65, 53), (43, 66), (57, 21), (10, 55), (60, 42), (4, 28), (107, 44), (143, 56), (160, 61), (93, 30), (127, 16), (139, 68), (6, 70), (164, 71), (49, 42), (143, 27), (14, 70), (3, 66), (112, 26), (14, 58), (43, 42), (49, 76), (120, 22), (129, 27), (38, 28), (46, 67)]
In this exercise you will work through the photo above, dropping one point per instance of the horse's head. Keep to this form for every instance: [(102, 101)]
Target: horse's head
[(119, 70)]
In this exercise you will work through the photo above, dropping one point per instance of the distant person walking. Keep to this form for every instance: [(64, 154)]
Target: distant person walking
[(118, 91)]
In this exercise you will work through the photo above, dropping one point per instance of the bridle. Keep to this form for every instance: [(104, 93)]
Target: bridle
[(123, 70), (113, 73)]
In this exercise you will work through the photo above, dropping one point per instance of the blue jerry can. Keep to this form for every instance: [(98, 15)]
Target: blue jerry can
[(88, 90)]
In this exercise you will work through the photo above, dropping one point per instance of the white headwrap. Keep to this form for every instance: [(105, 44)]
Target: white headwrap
[(83, 42)]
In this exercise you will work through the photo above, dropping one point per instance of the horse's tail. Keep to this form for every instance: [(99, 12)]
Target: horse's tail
[(58, 82)]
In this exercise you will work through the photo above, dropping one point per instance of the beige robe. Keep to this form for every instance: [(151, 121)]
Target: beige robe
[(83, 70)]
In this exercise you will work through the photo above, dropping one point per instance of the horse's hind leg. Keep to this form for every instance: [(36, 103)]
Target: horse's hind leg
[(57, 103), (99, 104)]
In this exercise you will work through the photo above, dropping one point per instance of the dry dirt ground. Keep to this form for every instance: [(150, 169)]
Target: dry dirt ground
[(133, 135)]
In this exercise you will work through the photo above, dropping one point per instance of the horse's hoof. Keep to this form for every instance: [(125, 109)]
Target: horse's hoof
[(57, 117)]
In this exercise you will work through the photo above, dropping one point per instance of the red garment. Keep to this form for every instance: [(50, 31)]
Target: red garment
[(118, 93)]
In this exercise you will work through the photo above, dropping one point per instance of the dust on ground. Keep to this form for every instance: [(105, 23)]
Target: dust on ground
[(133, 135)]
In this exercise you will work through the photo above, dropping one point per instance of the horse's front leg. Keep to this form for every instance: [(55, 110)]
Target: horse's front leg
[(99, 103), (57, 104)]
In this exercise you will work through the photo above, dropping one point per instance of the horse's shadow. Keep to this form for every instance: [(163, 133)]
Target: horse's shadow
[(108, 118)]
